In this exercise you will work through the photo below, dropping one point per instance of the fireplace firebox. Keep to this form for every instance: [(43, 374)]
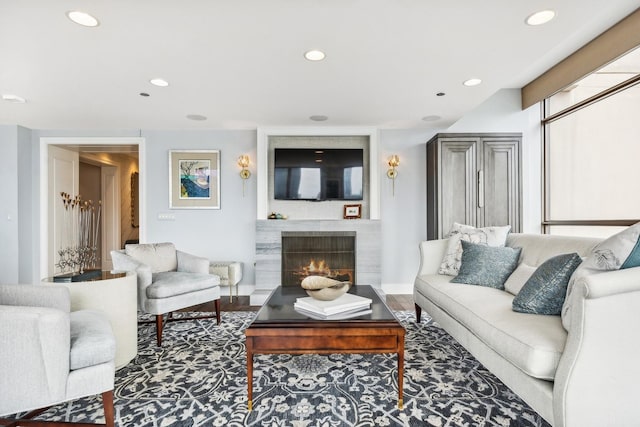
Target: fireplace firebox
[(318, 253)]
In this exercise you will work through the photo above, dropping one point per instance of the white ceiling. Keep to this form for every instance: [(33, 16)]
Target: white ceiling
[(240, 62)]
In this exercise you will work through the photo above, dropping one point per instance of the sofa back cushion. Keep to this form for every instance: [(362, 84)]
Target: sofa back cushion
[(537, 248), (159, 256)]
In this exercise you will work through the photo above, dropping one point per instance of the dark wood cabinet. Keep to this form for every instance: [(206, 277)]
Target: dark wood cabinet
[(473, 179)]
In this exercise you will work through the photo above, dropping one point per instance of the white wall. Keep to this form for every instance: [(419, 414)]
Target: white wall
[(502, 113), (27, 224), (229, 233), (404, 216), (222, 234), (9, 261)]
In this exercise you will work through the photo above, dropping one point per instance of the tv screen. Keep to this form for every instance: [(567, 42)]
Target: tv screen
[(318, 174)]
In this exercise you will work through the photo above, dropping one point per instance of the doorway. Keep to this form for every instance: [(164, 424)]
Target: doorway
[(115, 159)]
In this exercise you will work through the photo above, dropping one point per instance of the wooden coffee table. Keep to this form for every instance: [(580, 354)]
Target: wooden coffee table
[(278, 328)]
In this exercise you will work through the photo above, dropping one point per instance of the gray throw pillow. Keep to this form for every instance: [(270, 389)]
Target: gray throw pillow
[(486, 265), (545, 290)]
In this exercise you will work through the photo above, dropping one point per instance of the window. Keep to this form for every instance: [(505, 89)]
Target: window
[(592, 152)]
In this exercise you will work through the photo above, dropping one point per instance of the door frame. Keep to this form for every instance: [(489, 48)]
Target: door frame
[(45, 142)]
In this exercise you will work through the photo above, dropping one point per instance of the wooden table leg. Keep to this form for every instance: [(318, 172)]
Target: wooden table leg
[(400, 369), (249, 346)]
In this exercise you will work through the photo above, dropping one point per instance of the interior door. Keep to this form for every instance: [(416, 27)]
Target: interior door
[(111, 214), (63, 177)]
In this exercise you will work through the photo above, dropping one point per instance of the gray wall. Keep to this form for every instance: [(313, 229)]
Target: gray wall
[(229, 233)]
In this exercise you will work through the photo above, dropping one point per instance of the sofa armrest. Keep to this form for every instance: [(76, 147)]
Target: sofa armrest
[(34, 360), (44, 295), (191, 263), (123, 262), (431, 254), (230, 272), (599, 285), (598, 367)]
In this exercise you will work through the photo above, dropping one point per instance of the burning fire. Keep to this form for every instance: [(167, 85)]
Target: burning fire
[(321, 268), (317, 268)]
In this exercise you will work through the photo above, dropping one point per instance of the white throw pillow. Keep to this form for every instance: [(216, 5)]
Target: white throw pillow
[(518, 278), (490, 236), (622, 250)]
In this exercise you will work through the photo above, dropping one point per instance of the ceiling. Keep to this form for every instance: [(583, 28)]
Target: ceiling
[(240, 62)]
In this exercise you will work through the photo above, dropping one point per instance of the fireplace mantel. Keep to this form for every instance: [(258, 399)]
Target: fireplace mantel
[(269, 248)]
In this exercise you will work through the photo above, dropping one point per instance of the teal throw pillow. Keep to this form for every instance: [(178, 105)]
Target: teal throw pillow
[(545, 291), (486, 265)]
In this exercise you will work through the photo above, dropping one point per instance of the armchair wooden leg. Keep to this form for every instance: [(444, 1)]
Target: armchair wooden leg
[(418, 312), (217, 304), (159, 329), (107, 402)]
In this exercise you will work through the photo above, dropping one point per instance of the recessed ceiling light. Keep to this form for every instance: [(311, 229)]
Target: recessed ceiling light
[(196, 117), (159, 82), (472, 82), (144, 94), (431, 118), (314, 55), (541, 17), (318, 118), (440, 94), (83, 18), (13, 98)]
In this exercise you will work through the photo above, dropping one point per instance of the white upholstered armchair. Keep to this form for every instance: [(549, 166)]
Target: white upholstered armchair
[(168, 280), (49, 355)]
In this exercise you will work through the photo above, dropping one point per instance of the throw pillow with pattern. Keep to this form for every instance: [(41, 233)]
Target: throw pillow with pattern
[(490, 236)]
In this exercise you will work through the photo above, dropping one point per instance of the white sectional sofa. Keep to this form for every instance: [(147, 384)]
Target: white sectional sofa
[(587, 376)]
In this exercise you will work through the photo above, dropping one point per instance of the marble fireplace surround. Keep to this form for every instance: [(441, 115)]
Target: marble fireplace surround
[(269, 250)]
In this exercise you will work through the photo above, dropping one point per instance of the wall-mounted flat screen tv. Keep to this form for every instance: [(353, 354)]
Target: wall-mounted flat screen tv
[(318, 174)]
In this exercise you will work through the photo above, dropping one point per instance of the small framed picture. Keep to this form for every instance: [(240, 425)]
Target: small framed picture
[(352, 211), (194, 179)]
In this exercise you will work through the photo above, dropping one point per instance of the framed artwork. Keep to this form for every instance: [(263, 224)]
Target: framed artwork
[(194, 179), (352, 211)]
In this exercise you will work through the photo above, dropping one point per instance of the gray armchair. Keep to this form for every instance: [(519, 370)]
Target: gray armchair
[(49, 355), (168, 280)]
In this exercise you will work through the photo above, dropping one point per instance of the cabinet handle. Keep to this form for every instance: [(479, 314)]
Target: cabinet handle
[(480, 189)]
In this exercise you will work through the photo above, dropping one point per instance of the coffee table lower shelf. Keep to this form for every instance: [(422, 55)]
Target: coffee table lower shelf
[(325, 337)]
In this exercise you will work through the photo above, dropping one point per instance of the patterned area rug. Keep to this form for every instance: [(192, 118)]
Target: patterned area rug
[(198, 378)]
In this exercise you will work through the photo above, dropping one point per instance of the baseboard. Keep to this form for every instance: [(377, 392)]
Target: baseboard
[(397, 288)]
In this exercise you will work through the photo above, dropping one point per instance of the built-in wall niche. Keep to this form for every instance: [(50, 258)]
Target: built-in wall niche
[(351, 138)]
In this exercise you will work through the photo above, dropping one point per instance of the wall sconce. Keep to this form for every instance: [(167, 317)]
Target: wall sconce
[(243, 162), (393, 162)]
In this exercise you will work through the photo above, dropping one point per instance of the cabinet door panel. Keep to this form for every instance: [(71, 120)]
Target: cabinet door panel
[(457, 183), (501, 182)]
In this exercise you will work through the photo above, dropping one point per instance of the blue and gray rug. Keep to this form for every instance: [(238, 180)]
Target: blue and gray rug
[(198, 378)]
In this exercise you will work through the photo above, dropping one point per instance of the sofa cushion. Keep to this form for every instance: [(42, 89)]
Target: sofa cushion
[(486, 265), (491, 236), (545, 290), (171, 283), (158, 256), (518, 278), (92, 340), (532, 343)]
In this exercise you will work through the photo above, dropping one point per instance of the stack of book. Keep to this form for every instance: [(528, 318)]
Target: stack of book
[(344, 307)]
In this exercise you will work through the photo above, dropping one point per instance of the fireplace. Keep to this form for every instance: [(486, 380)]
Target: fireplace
[(318, 253)]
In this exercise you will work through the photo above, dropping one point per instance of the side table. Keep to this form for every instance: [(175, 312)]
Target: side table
[(116, 295), (230, 273)]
